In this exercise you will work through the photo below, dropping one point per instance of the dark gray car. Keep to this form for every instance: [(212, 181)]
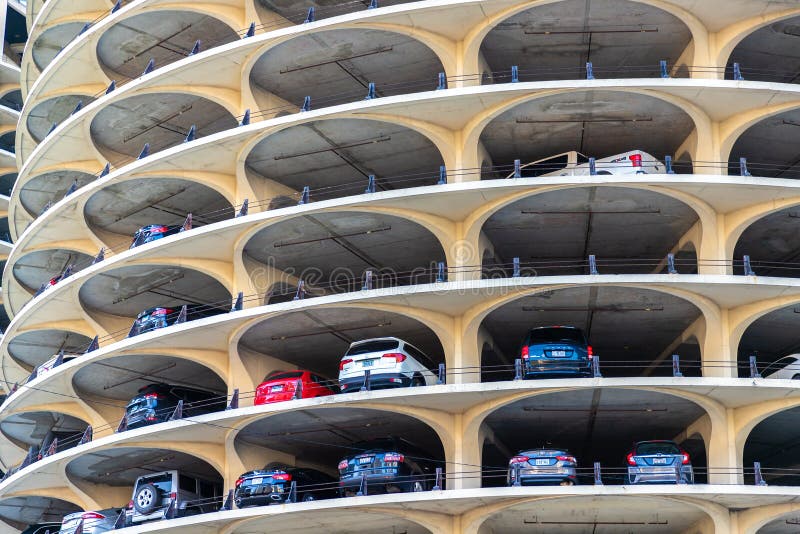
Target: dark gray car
[(542, 466), (94, 522)]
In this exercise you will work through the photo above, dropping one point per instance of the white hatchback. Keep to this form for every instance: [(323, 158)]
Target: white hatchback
[(576, 164), (391, 362), (786, 368)]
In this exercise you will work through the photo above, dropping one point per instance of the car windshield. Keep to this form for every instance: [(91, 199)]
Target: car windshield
[(556, 335), (284, 376), (372, 346), (645, 449)]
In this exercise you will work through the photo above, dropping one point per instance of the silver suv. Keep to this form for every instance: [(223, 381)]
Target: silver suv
[(153, 495)]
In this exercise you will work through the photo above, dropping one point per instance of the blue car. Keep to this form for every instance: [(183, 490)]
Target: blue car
[(152, 232), (659, 462), (556, 351)]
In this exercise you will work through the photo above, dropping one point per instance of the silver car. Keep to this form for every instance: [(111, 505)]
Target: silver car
[(659, 462), (542, 466), (94, 522)]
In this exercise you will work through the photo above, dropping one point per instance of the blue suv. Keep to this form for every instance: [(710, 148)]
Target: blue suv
[(556, 351)]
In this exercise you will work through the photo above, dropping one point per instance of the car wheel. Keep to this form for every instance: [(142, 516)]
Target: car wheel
[(567, 483), (796, 377), (417, 381), (308, 498), (417, 486), (147, 499)]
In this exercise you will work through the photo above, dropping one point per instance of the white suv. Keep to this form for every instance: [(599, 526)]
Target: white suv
[(576, 164), (786, 368), (391, 362)]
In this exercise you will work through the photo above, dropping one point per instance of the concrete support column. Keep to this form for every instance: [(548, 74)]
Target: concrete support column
[(721, 450), (465, 459), (719, 358)]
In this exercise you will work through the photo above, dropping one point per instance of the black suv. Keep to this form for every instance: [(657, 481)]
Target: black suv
[(155, 403), (273, 485), (387, 465)]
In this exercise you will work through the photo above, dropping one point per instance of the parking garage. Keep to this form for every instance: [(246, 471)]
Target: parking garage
[(317, 339), (47, 188), (633, 332), (23, 511), (335, 158), (771, 339), (332, 251), (770, 54), (773, 244), (774, 443), (121, 130), (596, 124), (34, 348), (37, 268), (594, 425), (628, 230), (40, 429), (125, 48), (769, 147), (555, 41), (53, 111), (50, 43)]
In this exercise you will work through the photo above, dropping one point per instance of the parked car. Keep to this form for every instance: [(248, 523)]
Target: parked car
[(281, 386), (153, 494), (162, 317), (543, 466), (391, 362), (152, 232), (576, 164), (273, 485), (92, 522), (387, 465), (47, 366), (659, 462), (786, 368), (556, 351), (41, 528), (155, 403)]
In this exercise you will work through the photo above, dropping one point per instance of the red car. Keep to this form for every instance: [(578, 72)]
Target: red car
[(280, 386)]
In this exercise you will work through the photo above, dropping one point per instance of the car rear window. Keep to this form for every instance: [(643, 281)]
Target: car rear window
[(372, 346), (284, 376), (162, 482), (644, 449), (556, 335)]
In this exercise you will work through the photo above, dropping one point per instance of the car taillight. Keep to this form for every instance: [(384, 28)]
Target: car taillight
[(130, 505), (344, 362), (173, 495), (566, 459), (636, 160), (92, 515), (630, 459), (343, 465), (286, 477), (590, 351), (686, 460), (239, 481), (524, 352), (394, 457), (398, 356), (519, 459)]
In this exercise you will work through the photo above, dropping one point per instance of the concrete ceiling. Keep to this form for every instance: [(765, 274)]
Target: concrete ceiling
[(596, 515), (771, 53), (770, 337), (770, 147), (122, 465), (317, 339), (595, 123), (130, 290), (50, 187), (120, 378), (29, 510), (125, 207), (628, 328), (53, 110), (326, 155), (37, 268), (324, 436), (7, 183), (335, 63), (31, 428), (596, 425), (166, 36), (162, 120), (785, 525), (613, 34), (329, 247), (49, 44), (772, 239), (775, 442), (336, 521), (34, 348), (609, 222)]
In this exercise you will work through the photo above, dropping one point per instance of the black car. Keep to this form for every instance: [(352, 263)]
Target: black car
[(387, 465), (155, 403), (162, 317), (273, 485)]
